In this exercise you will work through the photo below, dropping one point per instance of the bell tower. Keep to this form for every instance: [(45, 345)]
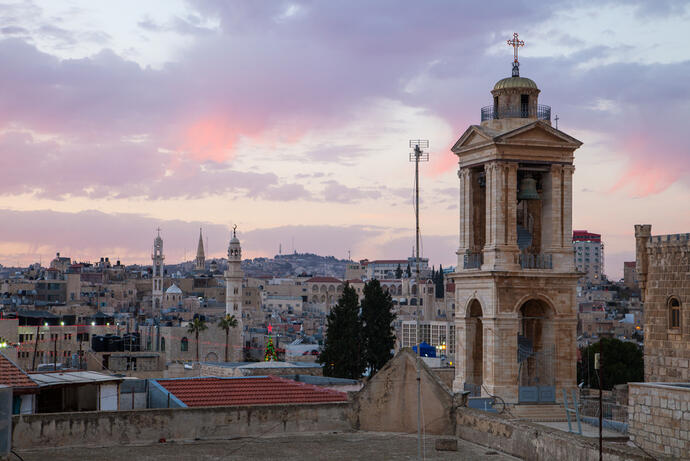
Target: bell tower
[(234, 277), (515, 278), (200, 261), (157, 274)]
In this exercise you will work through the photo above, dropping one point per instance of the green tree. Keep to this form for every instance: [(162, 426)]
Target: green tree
[(225, 323), (621, 362), (398, 272), (195, 326), (342, 354), (377, 330), (438, 282), (408, 271)]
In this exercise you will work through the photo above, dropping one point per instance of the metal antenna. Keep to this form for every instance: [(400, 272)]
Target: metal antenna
[(416, 156)]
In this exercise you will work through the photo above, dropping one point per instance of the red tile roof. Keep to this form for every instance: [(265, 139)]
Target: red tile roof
[(255, 390), (12, 375)]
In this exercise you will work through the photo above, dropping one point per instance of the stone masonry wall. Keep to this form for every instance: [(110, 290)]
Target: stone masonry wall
[(659, 418), (664, 265), (107, 428)]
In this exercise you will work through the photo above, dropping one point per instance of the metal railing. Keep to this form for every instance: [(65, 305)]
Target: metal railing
[(536, 261), (614, 415), (473, 260), (493, 113)]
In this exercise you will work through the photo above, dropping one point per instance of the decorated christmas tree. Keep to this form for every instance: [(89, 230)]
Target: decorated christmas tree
[(270, 355)]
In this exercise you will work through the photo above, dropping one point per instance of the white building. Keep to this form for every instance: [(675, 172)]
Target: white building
[(589, 256), (439, 334)]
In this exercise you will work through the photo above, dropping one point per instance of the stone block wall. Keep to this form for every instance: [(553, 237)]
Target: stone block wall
[(108, 428), (659, 418), (663, 263)]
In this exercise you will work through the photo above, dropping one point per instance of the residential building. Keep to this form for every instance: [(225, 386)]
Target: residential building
[(589, 256)]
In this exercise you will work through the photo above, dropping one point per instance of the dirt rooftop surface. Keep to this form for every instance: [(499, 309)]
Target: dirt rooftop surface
[(334, 446)]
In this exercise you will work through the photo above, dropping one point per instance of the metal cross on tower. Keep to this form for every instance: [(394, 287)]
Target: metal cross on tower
[(416, 156), (516, 43)]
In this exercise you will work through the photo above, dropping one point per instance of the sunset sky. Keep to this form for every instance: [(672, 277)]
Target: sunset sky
[(291, 119)]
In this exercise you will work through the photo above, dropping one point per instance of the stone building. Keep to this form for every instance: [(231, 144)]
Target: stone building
[(515, 281), (663, 268), (630, 275)]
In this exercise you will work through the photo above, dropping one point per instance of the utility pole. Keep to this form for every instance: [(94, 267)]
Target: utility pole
[(33, 363), (55, 352), (597, 367), (416, 156)]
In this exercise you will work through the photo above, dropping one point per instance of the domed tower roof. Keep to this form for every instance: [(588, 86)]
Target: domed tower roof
[(515, 82), (234, 249)]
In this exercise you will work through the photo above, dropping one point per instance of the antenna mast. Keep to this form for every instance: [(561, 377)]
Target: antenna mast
[(416, 156)]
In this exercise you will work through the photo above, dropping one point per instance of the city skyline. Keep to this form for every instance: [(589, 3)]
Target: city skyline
[(159, 115)]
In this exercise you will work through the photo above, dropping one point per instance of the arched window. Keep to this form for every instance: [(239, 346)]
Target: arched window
[(184, 344), (674, 313), (163, 344)]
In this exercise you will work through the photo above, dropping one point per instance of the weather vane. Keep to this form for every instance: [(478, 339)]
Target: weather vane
[(516, 43)]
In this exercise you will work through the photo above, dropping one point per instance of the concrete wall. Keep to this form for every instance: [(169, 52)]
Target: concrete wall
[(534, 442), (148, 426), (208, 369), (388, 402), (659, 418)]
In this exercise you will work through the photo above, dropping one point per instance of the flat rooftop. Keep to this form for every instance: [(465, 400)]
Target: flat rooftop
[(306, 446)]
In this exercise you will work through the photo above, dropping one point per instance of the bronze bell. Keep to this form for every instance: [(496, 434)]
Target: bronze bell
[(528, 189)]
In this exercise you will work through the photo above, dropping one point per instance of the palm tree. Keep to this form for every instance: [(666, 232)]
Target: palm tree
[(227, 322), (195, 326)]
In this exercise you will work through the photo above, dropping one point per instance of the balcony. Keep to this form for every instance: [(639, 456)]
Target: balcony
[(473, 260), (492, 113), (535, 261)]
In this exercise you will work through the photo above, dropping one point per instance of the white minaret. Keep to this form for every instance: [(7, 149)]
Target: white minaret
[(157, 276), (233, 289)]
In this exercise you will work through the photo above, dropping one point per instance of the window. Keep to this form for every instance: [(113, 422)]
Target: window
[(184, 344), (524, 105), (163, 344), (674, 313)]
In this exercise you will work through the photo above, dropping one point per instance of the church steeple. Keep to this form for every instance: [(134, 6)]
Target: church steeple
[(200, 258), (157, 273)]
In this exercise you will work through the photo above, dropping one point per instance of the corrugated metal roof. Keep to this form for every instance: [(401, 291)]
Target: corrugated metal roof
[(72, 377)]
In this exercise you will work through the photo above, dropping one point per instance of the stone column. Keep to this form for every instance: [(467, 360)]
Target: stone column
[(511, 204), (466, 236), (463, 356), (500, 357), (501, 207), (564, 362)]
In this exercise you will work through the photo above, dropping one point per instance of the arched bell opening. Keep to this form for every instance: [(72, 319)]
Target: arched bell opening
[(536, 352)]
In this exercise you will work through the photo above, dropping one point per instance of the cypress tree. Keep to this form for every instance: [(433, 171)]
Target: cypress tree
[(398, 272), (343, 354), (378, 333), (439, 282)]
